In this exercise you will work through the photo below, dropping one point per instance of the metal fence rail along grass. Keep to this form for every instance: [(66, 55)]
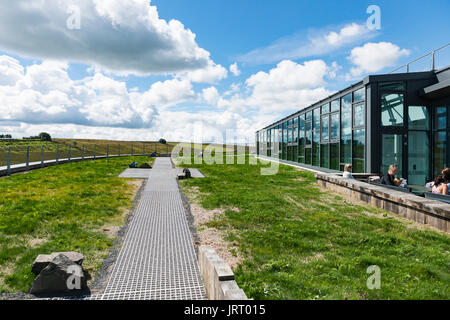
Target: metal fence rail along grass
[(14, 153)]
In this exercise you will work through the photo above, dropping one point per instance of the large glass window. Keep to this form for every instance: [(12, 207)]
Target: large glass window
[(274, 141), (295, 134), (418, 157), (301, 145), (308, 138), (439, 152), (392, 109), (334, 156), (346, 130), (324, 156), (359, 95), (264, 146), (280, 141), (359, 142), (325, 128), (335, 105), (308, 159), (326, 108), (309, 115), (289, 157), (257, 143), (289, 135), (392, 153), (418, 118), (285, 138), (316, 149), (359, 117), (418, 145), (316, 119), (440, 140), (440, 118), (334, 126)]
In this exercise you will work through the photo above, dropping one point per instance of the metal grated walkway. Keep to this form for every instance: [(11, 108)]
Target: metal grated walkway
[(157, 260)]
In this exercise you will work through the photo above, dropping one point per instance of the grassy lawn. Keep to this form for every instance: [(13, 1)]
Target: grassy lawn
[(71, 207), (301, 242)]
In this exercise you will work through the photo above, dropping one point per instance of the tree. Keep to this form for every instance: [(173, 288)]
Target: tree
[(44, 136), (162, 141)]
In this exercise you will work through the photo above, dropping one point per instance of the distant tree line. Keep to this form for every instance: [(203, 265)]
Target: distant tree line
[(43, 136), (5, 136)]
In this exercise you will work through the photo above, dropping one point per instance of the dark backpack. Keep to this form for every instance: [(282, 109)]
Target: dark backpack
[(133, 165), (187, 173)]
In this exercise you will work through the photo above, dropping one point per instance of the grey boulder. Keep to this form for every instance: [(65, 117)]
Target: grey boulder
[(61, 275), (43, 260)]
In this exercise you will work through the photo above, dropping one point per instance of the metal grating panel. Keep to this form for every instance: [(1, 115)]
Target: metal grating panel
[(157, 260)]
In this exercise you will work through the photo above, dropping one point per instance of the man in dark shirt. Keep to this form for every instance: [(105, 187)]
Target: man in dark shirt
[(389, 177)]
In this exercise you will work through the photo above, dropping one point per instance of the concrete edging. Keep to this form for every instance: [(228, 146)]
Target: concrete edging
[(422, 210), (218, 276)]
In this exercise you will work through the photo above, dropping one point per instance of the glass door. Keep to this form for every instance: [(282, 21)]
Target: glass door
[(392, 153), (418, 157), (419, 145)]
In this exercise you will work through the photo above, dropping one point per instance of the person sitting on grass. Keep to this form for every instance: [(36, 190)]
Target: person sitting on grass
[(440, 183), (348, 172), (389, 177)]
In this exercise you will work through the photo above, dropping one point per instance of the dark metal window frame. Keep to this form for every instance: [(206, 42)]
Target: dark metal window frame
[(283, 125)]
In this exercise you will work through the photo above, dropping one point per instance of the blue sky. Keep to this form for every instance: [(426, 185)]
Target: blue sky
[(144, 70), (236, 27)]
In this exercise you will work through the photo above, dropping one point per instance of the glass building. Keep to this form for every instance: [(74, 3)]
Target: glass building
[(400, 119)]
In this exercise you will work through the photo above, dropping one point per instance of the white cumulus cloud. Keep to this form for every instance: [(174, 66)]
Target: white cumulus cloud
[(289, 86), (44, 93), (45, 98), (209, 74), (124, 37), (374, 57)]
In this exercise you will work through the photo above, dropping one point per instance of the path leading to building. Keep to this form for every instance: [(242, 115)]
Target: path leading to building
[(157, 260)]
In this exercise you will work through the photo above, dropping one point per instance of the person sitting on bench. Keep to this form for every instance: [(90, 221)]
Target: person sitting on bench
[(440, 183), (389, 177), (430, 185), (348, 172)]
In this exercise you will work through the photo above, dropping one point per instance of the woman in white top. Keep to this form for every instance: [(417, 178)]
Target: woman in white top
[(348, 172), (440, 183)]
